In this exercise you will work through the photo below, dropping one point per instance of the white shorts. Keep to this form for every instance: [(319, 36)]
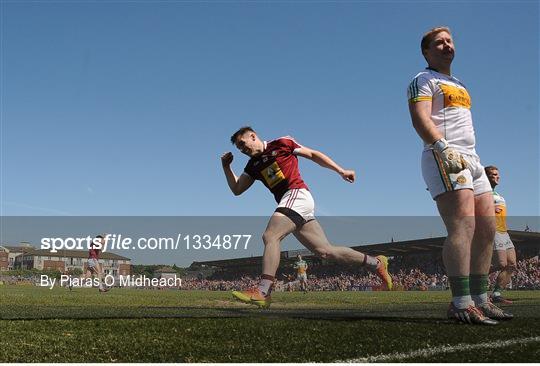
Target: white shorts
[(301, 277), (438, 182), (502, 241), (92, 263), (298, 205)]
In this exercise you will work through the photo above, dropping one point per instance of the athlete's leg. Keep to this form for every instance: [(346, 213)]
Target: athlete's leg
[(481, 253), (98, 271), (500, 261), (100, 275), (278, 228), (303, 283), (508, 270), (312, 236), (511, 267), (91, 273), (482, 247), (457, 211), (484, 234)]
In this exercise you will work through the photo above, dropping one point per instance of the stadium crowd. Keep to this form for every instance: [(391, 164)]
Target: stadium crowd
[(527, 275), (414, 280), (408, 273), (423, 276)]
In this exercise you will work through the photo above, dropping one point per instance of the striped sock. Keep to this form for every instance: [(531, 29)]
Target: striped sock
[(479, 286), (461, 295)]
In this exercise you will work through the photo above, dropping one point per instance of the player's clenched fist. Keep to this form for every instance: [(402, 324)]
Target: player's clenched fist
[(227, 158), (348, 175), (453, 162)]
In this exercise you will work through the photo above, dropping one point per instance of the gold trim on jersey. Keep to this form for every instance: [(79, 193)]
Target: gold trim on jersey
[(414, 93), (420, 99), (444, 176)]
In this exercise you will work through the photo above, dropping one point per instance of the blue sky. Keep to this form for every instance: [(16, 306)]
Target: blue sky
[(123, 108)]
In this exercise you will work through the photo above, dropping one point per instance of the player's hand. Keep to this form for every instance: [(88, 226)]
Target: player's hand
[(348, 175), (453, 162), (227, 159)]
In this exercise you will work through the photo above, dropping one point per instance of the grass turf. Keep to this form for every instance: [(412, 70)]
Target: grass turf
[(128, 325)]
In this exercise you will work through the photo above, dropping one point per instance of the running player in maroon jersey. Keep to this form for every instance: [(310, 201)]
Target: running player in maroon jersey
[(275, 164), (93, 268)]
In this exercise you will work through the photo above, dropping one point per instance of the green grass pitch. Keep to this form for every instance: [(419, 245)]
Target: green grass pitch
[(129, 325)]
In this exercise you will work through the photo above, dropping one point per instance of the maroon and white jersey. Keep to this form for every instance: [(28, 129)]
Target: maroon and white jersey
[(94, 251), (277, 166)]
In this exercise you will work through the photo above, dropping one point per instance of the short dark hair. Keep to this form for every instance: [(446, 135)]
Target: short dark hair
[(240, 132), (490, 167)]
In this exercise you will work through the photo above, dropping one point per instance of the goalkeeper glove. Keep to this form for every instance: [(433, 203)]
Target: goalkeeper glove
[(452, 161)]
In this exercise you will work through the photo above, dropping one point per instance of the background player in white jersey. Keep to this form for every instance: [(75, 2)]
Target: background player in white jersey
[(275, 164), (301, 267), (439, 105), (504, 258)]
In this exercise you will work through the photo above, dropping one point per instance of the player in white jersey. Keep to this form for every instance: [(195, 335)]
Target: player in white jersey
[(451, 116), (301, 267), (505, 252), (439, 105)]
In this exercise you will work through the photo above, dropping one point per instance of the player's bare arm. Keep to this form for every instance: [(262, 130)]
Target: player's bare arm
[(421, 120), (238, 185), (326, 162), (420, 111)]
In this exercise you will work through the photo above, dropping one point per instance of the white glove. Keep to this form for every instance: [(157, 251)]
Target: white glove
[(452, 161)]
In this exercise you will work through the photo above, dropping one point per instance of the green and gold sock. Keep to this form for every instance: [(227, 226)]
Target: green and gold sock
[(461, 293), (479, 287)]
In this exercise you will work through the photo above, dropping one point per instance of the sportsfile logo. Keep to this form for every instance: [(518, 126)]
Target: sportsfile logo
[(122, 242), (106, 242)]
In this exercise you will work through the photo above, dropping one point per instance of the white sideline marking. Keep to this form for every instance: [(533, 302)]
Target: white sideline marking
[(425, 352)]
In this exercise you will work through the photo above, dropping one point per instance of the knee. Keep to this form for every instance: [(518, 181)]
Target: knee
[(501, 265), (511, 268), (487, 231), (269, 237), (462, 231), (484, 235)]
